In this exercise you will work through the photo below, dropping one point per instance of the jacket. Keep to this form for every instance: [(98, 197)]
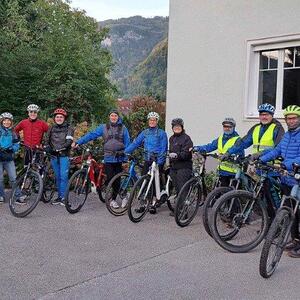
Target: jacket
[(9, 144)]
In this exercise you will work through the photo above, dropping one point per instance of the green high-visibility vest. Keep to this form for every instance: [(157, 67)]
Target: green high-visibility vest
[(266, 141), (224, 165)]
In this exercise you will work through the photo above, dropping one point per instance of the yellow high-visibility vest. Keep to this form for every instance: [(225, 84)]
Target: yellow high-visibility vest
[(266, 141), (226, 166)]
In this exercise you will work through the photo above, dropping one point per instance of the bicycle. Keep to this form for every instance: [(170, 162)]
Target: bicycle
[(142, 194), (193, 193), (90, 177), (241, 180), (279, 232), (124, 183), (34, 183), (240, 219)]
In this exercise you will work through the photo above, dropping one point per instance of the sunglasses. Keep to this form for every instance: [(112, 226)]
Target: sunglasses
[(227, 126), (33, 112)]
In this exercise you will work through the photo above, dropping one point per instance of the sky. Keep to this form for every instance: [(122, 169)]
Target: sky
[(114, 9)]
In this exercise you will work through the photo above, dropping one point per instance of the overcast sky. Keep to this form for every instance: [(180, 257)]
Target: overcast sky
[(114, 9)]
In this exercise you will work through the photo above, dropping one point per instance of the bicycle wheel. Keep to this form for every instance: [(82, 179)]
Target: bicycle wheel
[(188, 202), (77, 191), (102, 192), (274, 243), (239, 221), (172, 199), (48, 186), (140, 199), (211, 199), (125, 183), (26, 193)]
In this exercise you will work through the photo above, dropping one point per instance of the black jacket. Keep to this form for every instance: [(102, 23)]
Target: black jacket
[(60, 137), (180, 144)]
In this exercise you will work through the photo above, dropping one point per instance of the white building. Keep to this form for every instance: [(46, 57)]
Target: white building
[(226, 57)]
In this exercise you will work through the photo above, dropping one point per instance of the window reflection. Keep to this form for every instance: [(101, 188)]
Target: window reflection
[(288, 57), (269, 60), (297, 57)]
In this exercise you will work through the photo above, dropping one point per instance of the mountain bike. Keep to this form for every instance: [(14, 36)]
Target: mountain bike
[(34, 183), (89, 178), (119, 188), (240, 219), (142, 195), (241, 180), (279, 232), (193, 193)]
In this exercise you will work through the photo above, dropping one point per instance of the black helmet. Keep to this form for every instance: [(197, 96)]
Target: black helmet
[(177, 121)]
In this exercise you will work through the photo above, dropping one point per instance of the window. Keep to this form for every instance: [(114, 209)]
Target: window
[(273, 73)]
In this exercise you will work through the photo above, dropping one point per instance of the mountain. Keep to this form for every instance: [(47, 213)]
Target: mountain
[(150, 76), (131, 40)]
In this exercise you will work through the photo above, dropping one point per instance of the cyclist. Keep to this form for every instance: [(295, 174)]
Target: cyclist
[(223, 144), (155, 141), (289, 150), (116, 138), (33, 131), (263, 136), (58, 143), (9, 144), (181, 165)]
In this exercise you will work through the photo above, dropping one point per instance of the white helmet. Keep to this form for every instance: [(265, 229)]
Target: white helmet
[(6, 115), (153, 114), (33, 107)]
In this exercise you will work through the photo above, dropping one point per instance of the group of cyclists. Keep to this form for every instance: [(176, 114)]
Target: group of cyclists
[(268, 139)]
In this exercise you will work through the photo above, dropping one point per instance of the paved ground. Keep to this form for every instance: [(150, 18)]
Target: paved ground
[(94, 255)]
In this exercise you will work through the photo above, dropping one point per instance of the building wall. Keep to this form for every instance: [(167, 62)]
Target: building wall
[(208, 54)]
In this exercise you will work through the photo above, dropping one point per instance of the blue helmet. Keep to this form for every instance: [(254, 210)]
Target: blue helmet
[(266, 107)]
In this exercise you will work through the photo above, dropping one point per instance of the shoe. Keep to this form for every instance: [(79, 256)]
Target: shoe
[(114, 204), (21, 201), (62, 202), (295, 253), (1, 199), (152, 210), (57, 201), (124, 202), (140, 210), (291, 245)]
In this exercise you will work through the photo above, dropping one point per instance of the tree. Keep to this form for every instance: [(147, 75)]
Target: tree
[(52, 55)]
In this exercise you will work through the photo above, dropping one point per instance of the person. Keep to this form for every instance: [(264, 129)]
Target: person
[(155, 141), (262, 136), (289, 150), (223, 144), (58, 141), (181, 165), (33, 130), (116, 138), (9, 145)]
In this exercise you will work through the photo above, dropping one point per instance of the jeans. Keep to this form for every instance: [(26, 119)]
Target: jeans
[(112, 169), (10, 168), (61, 167)]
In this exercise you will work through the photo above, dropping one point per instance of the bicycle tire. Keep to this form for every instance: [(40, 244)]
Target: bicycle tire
[(227, 241), (278, 229), (12, 200)]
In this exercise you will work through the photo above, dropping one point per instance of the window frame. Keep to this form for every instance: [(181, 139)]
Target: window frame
[(254, 47)]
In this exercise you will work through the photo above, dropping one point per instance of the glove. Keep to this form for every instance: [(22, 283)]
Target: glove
[(173, 155), (224, 156)]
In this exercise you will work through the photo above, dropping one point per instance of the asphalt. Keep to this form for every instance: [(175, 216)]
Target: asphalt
[(52, 254)]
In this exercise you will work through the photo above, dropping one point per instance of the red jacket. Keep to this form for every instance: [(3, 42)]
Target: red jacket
[(33, 131)]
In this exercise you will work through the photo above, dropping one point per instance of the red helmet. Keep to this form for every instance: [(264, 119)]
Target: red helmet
[(60, 111)]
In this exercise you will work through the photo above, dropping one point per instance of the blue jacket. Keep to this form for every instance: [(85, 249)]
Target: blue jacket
[(9, 142), (247, 140), (99, 132), (155, 141), (289, 149), (213, 146)]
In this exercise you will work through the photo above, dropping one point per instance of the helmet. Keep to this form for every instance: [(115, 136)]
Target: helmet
[(153, 114), (60, 111), (177, 121), (292, 110), (6, 115), (230, 121), (266, 107), (33, 107)]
